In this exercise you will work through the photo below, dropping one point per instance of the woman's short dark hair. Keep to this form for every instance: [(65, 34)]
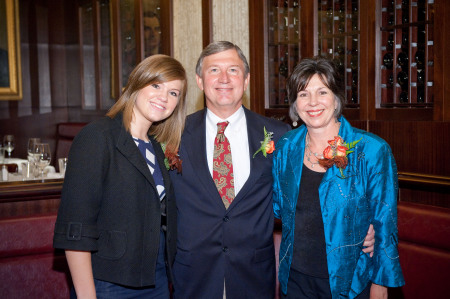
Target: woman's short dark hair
[(302, 74)]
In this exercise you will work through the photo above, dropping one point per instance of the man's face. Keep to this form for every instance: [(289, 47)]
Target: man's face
[(152, 33), (223, 82)]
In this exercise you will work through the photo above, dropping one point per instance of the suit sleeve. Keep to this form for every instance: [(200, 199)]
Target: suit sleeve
[(382, 191), (81, 196)]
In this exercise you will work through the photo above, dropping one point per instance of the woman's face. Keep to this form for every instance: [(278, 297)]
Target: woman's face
[(156, 102), (316, 105)]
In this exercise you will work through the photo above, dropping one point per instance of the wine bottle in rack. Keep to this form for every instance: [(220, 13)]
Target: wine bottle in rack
[(355, 81), (390, 42), (420, 76), (420, 58), (390, 81), (403, 97), (421, 11), (388, 60), (283, 69), (354, 62), (355, 15), (329, 23), (391, 20), (354, 98), (420, 95), (402, 59), (405, 16), (402, 80)]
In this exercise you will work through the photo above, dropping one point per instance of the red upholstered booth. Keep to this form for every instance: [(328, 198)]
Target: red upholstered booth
[(66, 134), (29, 266), (424, 247)]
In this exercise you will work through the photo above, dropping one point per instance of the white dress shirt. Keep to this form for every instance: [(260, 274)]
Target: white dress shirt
[(236, 132)]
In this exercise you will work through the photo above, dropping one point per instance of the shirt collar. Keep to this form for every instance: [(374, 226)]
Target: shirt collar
[(233, 119)]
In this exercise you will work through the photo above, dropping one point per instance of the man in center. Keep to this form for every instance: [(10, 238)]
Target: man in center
[(225, 246), (224, 194)]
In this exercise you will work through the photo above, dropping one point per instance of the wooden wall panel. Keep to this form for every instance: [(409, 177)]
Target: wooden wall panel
[(420, 147)]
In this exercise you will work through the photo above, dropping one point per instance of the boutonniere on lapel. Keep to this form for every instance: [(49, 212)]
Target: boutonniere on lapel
[(267, 145), (336, 154), (171, 160)]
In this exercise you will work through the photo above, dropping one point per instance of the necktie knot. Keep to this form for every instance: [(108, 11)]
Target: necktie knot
[(220, 130), (221, 127)]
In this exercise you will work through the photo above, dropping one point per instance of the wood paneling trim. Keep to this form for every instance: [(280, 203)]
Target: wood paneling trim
[(441, 60), (207, 22), (31, 190), (258, 55), (404, 114), (424, 179), (308, 29), (97, 54), (167, 25)]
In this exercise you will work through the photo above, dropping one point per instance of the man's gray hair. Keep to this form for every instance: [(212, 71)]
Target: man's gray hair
[(217, 47)]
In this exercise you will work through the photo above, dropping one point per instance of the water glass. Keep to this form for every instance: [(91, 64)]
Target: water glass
[(31, 154), (8, 144), (2, 154), (43, 156), (27, 170), (62, 162)]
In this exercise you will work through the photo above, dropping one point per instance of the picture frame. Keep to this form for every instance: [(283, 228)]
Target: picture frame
[(10, 61)]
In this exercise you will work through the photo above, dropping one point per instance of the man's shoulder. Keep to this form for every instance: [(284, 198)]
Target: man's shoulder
[(272, 123), (195, 117)]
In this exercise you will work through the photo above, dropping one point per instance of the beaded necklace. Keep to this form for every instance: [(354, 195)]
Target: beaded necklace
[(309, 153)]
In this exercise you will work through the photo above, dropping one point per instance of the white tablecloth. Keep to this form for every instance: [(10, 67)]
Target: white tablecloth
[(50, 172)]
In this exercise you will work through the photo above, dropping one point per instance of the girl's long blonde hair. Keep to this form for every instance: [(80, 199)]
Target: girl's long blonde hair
[(155, 69)]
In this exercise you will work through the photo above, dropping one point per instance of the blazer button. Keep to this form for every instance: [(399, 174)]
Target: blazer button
[(225, 249), (226, 218)]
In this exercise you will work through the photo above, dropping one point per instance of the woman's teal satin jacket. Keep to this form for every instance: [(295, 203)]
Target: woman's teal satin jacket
[(367, 194)]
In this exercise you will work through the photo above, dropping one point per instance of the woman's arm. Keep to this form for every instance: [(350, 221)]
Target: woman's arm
[(382, 190), (378, 292), (81, 270), (369, 241)]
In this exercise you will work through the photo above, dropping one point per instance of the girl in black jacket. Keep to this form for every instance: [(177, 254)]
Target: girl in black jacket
[(117, 218)]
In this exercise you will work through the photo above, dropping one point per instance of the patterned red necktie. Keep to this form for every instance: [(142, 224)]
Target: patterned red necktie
[(223, 166)]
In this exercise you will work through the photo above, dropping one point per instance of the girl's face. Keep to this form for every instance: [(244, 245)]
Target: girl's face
[(156, 102)]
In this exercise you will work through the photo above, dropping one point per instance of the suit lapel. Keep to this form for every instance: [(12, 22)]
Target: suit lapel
[(128, 148), (194, 139), (255, 132)]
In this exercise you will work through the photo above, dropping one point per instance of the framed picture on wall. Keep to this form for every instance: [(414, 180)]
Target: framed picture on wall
[(10, 69)]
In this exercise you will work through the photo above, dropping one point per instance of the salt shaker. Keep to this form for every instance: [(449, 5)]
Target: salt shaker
[(4, 173)]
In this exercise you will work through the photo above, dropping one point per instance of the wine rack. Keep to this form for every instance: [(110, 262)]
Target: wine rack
[(283, 47), (338, 26), (406, 60)]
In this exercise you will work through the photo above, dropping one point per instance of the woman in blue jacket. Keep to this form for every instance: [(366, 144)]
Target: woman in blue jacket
[(117, 218), (331, 181)]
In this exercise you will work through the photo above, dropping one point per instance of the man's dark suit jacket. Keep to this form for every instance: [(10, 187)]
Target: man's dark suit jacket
[(215, 243), (110, 205)]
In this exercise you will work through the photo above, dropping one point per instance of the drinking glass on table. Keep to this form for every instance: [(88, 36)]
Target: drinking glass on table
[(8, 144), (31, 154), (43, 156), (31, 143)]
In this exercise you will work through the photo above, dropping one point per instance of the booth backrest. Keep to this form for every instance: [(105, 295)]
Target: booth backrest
[(424, 248), (29, 266), (66, 134)]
